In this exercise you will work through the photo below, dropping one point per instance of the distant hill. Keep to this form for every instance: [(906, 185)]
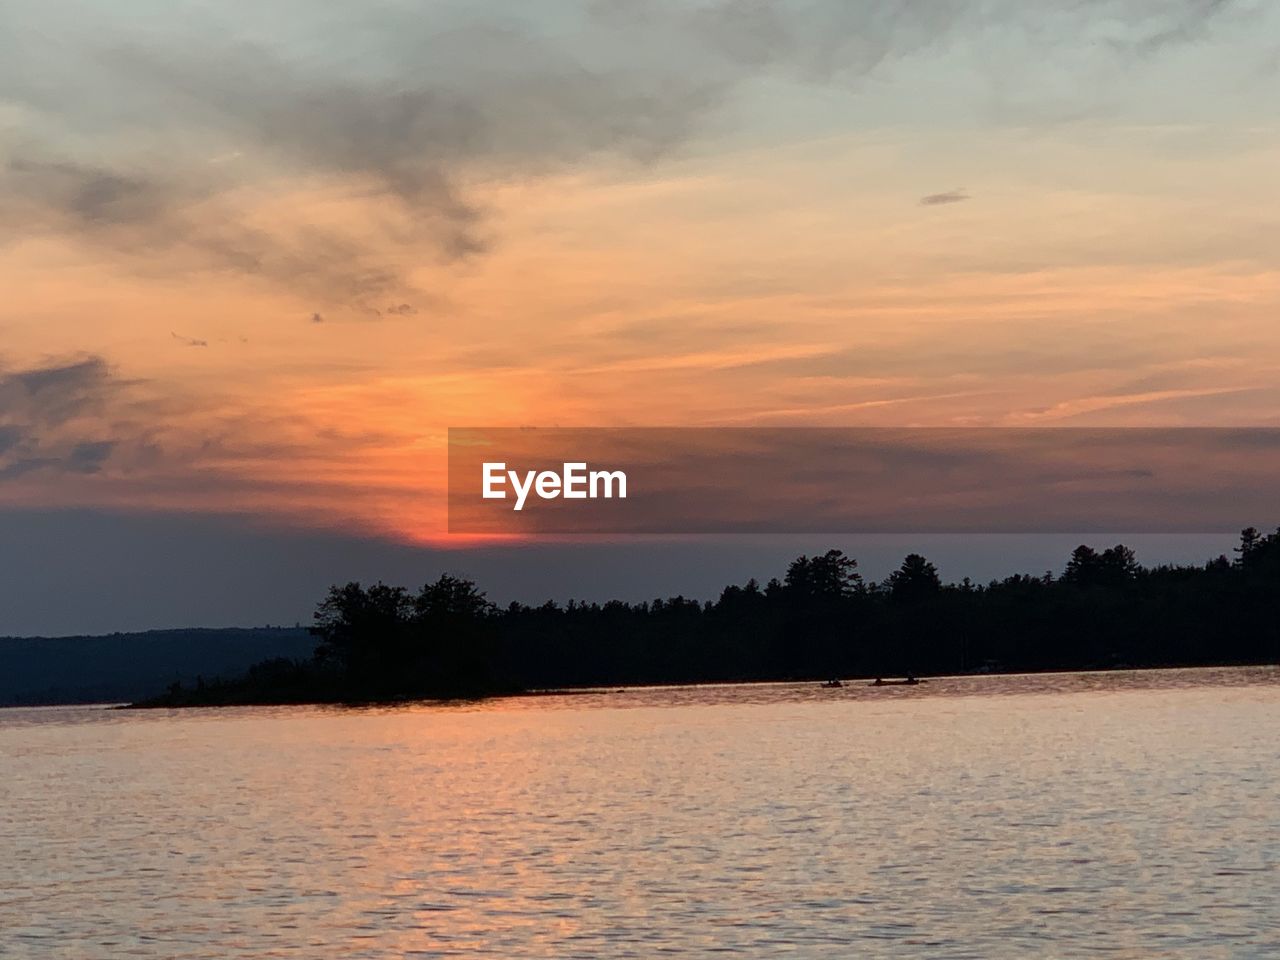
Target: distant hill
[(130, 666)]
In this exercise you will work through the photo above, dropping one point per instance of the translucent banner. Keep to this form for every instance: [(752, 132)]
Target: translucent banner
[(663, 480)]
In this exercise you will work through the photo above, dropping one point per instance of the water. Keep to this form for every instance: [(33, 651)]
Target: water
[(1119, 815)]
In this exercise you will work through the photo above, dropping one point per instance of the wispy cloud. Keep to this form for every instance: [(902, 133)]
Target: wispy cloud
[(950, 196), (1081, 406), (405, 110)]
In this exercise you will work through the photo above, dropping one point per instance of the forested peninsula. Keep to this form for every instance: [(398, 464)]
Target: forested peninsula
[(820, 620)]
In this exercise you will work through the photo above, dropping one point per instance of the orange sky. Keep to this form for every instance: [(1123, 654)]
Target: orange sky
[(276, 303)]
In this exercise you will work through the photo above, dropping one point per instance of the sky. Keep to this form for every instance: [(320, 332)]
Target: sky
[(258, 258)]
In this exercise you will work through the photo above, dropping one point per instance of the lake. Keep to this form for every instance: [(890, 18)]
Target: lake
[(1125, 815)]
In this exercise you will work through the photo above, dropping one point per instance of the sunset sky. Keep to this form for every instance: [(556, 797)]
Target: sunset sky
[(257, 258)]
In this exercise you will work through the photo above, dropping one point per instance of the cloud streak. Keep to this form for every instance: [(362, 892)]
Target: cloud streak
[(939, 199)]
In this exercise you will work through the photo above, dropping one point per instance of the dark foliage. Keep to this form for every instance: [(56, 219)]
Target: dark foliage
[(821, 620)]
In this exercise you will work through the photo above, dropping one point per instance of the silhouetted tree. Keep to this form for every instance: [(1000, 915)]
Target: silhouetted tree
[(1114, 566), (917, 579), (1250, 539), (832, 575), (820, 620), (364, 632)]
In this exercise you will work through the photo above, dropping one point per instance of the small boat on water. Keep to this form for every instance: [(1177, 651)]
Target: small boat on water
[(833, 683), (908, 682)]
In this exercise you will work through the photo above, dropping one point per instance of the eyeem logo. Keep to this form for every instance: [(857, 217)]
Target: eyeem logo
[(573, 482)]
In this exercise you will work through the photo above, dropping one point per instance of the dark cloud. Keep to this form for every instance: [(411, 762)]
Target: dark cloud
[(158, 221), (448, 105), (87, 194), (89, 457), (950, 196), (414, 133), (51, 417), (10, 437), (14, 467), (51, 395)]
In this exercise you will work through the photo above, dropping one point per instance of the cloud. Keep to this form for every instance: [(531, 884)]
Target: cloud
[(76, 418), (950, 196), (89, 456), (827, 40), (449, 106), (10, 437), (54, 394), (52, 416), (152, 145), (159, 221), (1184, 23), (90, 195)]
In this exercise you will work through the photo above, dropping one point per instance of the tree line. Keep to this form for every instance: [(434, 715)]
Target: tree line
[(820, 620)]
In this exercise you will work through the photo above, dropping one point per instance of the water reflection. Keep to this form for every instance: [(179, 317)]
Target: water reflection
[(1131, 815)]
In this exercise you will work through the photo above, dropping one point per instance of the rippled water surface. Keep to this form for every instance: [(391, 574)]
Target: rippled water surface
[(1121, 815)]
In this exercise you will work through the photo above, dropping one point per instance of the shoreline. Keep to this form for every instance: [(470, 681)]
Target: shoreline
[(611, 689)]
